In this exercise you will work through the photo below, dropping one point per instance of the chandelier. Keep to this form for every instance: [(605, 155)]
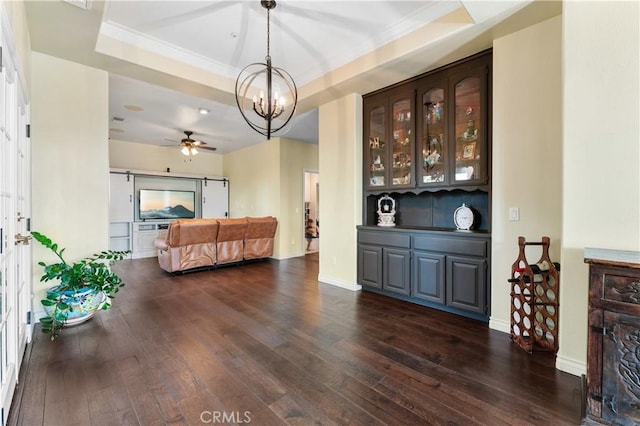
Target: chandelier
[(266, 114)]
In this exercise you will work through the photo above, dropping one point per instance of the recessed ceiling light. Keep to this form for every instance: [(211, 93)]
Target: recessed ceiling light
[(134, 108), (203, 111)]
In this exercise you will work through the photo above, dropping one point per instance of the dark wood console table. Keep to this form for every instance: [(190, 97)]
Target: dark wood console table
[(613, 357)]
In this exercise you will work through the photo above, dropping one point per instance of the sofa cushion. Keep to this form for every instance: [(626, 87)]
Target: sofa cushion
[(258, 241), (230, 242), (184, 232)]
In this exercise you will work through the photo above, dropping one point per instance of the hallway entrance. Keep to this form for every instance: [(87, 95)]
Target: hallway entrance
[(311, 211)]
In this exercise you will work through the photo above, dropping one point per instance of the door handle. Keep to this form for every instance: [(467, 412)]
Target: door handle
[(24, 239), (20, 217)]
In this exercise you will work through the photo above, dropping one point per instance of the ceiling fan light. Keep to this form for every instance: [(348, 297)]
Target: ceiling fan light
[(193, 150), (185, 150)]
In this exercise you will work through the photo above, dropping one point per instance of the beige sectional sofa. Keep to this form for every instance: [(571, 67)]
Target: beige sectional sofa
[(199, 243)]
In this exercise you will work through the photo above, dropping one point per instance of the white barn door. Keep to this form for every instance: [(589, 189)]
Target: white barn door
[(215, 198)]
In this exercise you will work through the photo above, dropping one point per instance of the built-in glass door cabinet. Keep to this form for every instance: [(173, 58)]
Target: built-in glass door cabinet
[(427, 144), (402, 137), (452, 128), (375, 113), (470, 94), (433, 150), (390, 131)]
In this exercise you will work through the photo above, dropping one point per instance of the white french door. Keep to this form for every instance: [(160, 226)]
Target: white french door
[(15, 209)]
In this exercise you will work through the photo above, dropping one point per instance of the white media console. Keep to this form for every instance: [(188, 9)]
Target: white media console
[(144, 233), (128, 232)]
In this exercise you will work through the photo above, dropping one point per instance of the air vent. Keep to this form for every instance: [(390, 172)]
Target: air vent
[(82, 4)]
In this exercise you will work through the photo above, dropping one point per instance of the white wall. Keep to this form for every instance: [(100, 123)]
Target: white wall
[(601, 170), (527, 152), (70, 158), (340, 161), (138, 156)]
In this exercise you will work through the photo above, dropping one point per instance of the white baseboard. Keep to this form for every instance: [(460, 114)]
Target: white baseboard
[(571, 366), (339, 283), (499, 325), (289, 256), (37, 314)]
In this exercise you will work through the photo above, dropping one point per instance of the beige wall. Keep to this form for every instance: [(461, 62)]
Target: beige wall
[(295, 157), (340, 158), (527, 152), (267, 179), (138, 156), (70, 159), (601, 171), (254, 176)]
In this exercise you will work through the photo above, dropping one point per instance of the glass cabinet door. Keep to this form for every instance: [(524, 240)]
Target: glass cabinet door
[(468, 132), (432, 153), (402, 146), (377, 152)]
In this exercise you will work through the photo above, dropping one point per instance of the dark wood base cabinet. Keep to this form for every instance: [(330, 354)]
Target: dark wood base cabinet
[(427, 147), (613, 357), (446, 270)]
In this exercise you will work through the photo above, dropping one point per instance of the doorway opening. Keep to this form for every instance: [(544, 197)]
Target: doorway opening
[(311, 212)]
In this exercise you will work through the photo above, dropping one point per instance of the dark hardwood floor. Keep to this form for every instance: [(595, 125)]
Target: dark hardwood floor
[(265, 344)]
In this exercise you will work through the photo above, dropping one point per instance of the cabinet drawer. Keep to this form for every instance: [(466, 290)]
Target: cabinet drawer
[(451, 245), (387, 239), (621, 288)]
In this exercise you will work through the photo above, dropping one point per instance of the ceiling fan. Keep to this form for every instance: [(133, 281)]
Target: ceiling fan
[(191, 146)]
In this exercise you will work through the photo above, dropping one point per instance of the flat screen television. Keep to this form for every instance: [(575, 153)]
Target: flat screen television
[(167, 204)]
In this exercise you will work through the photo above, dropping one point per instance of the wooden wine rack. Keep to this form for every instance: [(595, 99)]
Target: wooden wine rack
[(535, 299)]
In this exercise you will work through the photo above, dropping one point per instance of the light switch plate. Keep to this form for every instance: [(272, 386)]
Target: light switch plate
[(514, 213)]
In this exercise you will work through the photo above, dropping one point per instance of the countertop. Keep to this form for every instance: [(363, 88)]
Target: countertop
[(628, 258)]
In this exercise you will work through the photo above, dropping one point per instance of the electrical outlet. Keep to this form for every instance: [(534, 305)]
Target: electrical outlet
[(514, 213)]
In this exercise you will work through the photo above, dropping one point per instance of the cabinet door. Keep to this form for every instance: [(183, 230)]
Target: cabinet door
[(397, 271), (621, 369), (215, 199), (402, 140), (466, 284), (120, 197), (433, 147), (370, 266), (469, 126), (427, 281), (376, 149)]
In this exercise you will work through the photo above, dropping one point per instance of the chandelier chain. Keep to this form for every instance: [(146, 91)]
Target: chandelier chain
[(268, 33)]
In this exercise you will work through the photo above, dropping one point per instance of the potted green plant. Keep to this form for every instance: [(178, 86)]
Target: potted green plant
[(82, 287)]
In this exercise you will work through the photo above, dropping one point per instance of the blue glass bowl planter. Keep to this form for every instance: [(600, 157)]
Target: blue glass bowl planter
[(81, 288), (82, 304)]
